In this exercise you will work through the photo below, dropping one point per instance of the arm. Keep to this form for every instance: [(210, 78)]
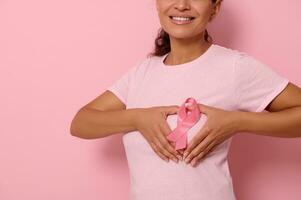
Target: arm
[(104, 116), (283, 120), (91, 123)]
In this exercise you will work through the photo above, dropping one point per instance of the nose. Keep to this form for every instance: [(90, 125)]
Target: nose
[(182, 4)]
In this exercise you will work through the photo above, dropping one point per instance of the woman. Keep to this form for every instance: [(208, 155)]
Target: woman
[(230, 88)]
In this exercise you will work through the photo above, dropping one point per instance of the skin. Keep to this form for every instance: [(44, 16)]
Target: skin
[(283, 119), (187, 41), (107, 114)]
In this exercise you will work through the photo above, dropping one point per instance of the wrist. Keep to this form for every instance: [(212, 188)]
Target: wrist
[(133, 114), (241, 121)]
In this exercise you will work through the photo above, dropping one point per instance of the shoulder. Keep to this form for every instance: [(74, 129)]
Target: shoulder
[(148, 63), (141, 67), (241, 60), (228, 53)]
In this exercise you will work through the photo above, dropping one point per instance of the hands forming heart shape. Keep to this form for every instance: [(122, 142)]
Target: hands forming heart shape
[(172, 144), (220, 126)]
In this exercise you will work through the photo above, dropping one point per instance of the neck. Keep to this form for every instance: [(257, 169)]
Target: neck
[(186, 50)]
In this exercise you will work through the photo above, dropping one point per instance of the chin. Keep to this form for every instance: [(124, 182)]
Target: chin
[(180, 34)]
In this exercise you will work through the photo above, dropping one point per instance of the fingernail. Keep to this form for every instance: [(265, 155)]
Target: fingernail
[(179, 157), (167, 160), (175, 160), (187, 160)]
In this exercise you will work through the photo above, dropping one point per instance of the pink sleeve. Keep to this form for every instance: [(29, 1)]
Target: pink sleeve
[(257, 84), (121, 86)]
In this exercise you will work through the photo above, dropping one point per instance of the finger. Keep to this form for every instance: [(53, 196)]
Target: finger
[(203, 153), (204, 108), (171, 149), (199, 148), (196, 140), (152, 142), (166, 131), (164, 127), (170, 110), (174, 108), (162, 148), (181, 152), (168, 149), (156, 150)]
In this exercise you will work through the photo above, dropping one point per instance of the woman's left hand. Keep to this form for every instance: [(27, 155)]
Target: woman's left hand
[(220, 126)]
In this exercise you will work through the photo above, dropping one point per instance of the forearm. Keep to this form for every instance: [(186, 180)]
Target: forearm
[(285, 123), (91, 123)]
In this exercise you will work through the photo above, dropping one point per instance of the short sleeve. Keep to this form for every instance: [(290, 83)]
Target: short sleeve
[(121, 86), (256, 84)]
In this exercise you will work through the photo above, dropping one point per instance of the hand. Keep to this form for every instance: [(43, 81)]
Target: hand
[(220, 126), (152, 124)]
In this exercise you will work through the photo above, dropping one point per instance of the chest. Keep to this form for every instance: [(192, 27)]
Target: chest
[(213, 87)]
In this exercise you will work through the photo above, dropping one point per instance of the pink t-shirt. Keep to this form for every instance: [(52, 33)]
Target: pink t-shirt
[(221, 77)]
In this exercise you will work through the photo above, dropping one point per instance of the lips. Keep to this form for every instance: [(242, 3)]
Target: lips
[(182, 16), (179, 21)]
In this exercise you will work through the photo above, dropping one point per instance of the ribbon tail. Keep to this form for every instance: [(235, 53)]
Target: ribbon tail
[(181, 142), (174, 135)]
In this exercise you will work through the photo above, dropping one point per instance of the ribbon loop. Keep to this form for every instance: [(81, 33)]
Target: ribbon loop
[(186, 119)]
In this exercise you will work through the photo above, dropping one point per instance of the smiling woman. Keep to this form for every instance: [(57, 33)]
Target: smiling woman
[(203, 13), (144, 103)]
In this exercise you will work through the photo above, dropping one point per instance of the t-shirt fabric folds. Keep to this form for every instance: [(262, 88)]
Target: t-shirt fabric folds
[(221, 77)]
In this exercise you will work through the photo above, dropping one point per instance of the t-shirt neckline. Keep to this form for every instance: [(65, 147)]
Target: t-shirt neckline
[(186, 65)]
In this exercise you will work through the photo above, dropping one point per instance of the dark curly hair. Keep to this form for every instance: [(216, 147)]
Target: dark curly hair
[(162, 42)]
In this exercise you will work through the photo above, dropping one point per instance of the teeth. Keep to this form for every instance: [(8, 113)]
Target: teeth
[(182, 18)]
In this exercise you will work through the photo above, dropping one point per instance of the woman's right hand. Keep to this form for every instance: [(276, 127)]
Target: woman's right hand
[(152, 124)]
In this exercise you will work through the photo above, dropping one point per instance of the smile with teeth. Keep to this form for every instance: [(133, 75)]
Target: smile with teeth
[(181, 20)]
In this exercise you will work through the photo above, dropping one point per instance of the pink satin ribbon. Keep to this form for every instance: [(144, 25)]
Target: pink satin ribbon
[(186, 119)]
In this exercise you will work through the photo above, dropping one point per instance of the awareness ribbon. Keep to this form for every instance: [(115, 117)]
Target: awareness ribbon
[(186, 119)]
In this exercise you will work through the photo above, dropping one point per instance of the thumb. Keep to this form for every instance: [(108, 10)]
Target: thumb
[(203, 108), (172, 109)]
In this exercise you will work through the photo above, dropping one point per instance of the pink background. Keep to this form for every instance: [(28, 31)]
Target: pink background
[(56, 56)]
